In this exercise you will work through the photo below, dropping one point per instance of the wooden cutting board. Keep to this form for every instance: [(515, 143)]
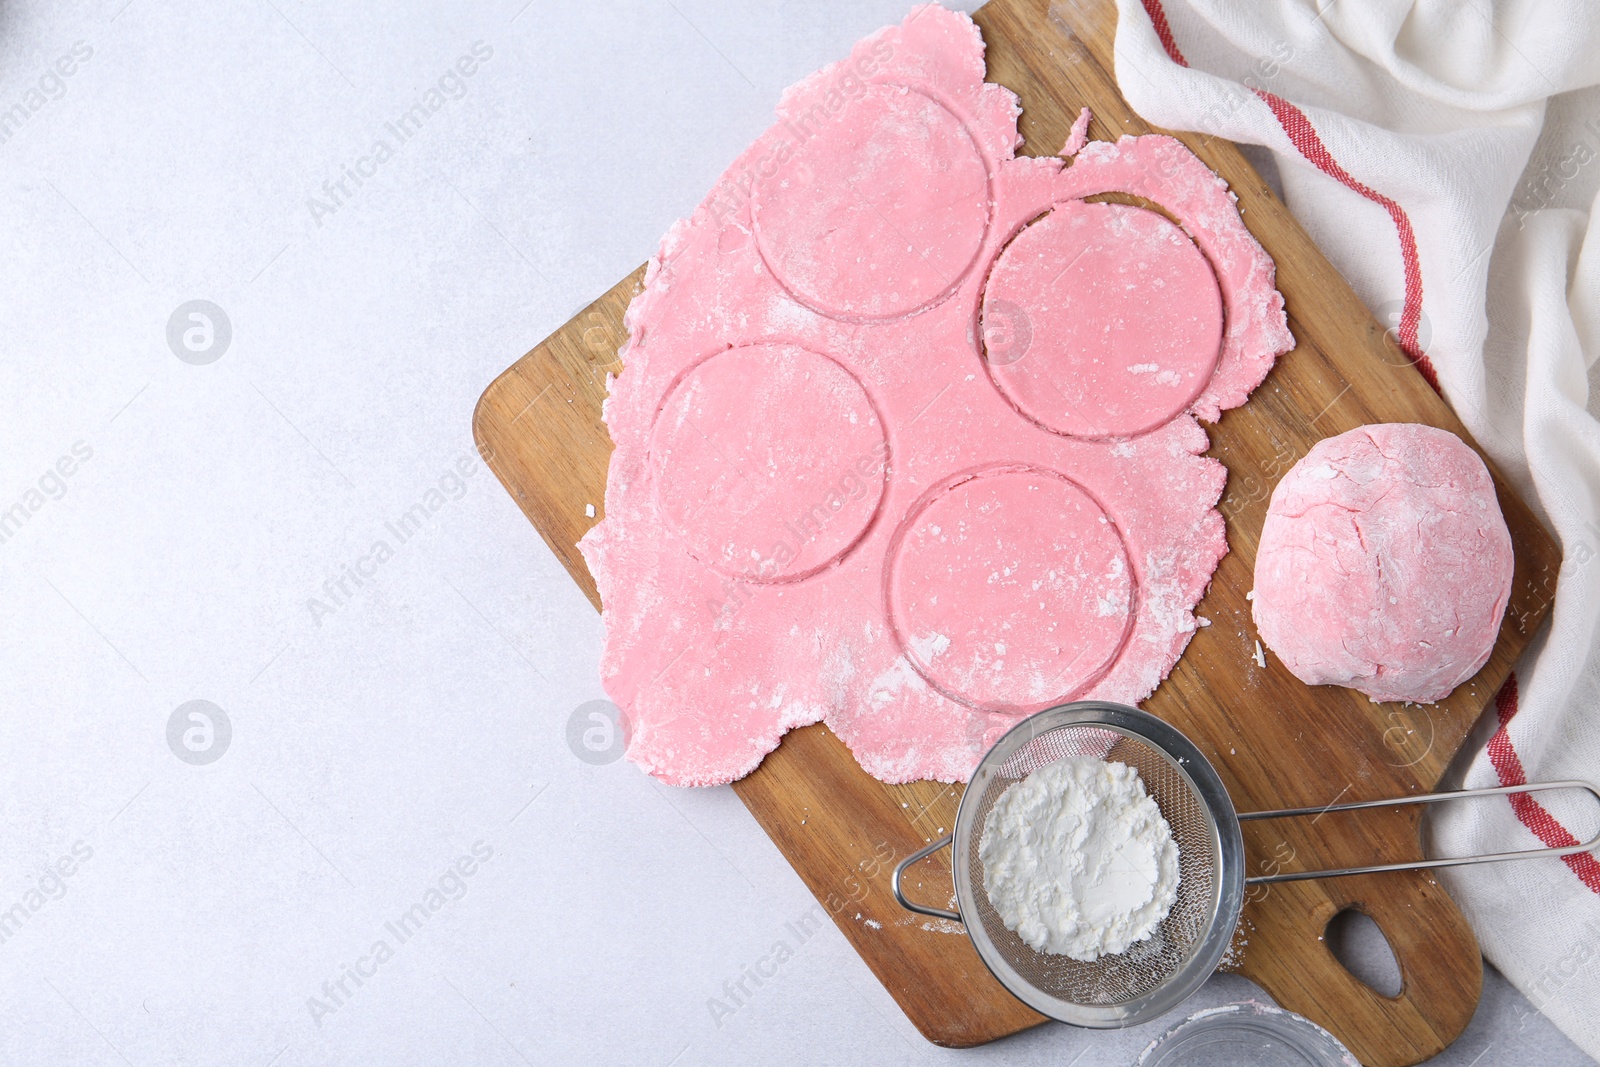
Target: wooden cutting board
[(1275, 741)]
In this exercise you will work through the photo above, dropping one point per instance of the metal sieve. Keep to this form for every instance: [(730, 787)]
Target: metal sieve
[(1155, 975)]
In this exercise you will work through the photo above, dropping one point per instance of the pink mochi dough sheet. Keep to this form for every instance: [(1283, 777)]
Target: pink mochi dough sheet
[(1385, 564), (906, 438)]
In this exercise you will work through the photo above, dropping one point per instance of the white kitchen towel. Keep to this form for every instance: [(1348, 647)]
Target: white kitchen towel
[(1445, 155)]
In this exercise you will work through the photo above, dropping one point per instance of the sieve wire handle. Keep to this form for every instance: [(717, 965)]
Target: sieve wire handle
[(1426, 798), (899, 873)]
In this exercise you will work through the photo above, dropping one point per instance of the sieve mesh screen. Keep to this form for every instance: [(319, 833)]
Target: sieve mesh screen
[(1146, 965)]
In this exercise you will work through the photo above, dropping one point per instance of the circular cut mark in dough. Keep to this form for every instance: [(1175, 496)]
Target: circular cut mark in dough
[(878, 210), (768, 461), (1010, 590), (1101, 320)]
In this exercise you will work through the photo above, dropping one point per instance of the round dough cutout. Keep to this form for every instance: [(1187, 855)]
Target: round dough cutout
[(1011, 590), (878, 211), (1101, 320), (768, 462)]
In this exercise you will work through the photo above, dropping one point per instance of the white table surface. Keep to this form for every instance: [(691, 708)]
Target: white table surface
[(378, 738)]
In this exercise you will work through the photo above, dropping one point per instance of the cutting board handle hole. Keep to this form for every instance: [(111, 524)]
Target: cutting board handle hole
[(1358, 942)]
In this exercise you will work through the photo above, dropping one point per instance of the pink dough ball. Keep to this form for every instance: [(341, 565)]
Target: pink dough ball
[(1384, 564)]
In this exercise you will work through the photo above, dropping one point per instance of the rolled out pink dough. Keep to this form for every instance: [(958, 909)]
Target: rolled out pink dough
[(1384, 564), (906, 440)]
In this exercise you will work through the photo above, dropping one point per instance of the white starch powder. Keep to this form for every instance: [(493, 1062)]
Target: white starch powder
[(1077, 859)]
